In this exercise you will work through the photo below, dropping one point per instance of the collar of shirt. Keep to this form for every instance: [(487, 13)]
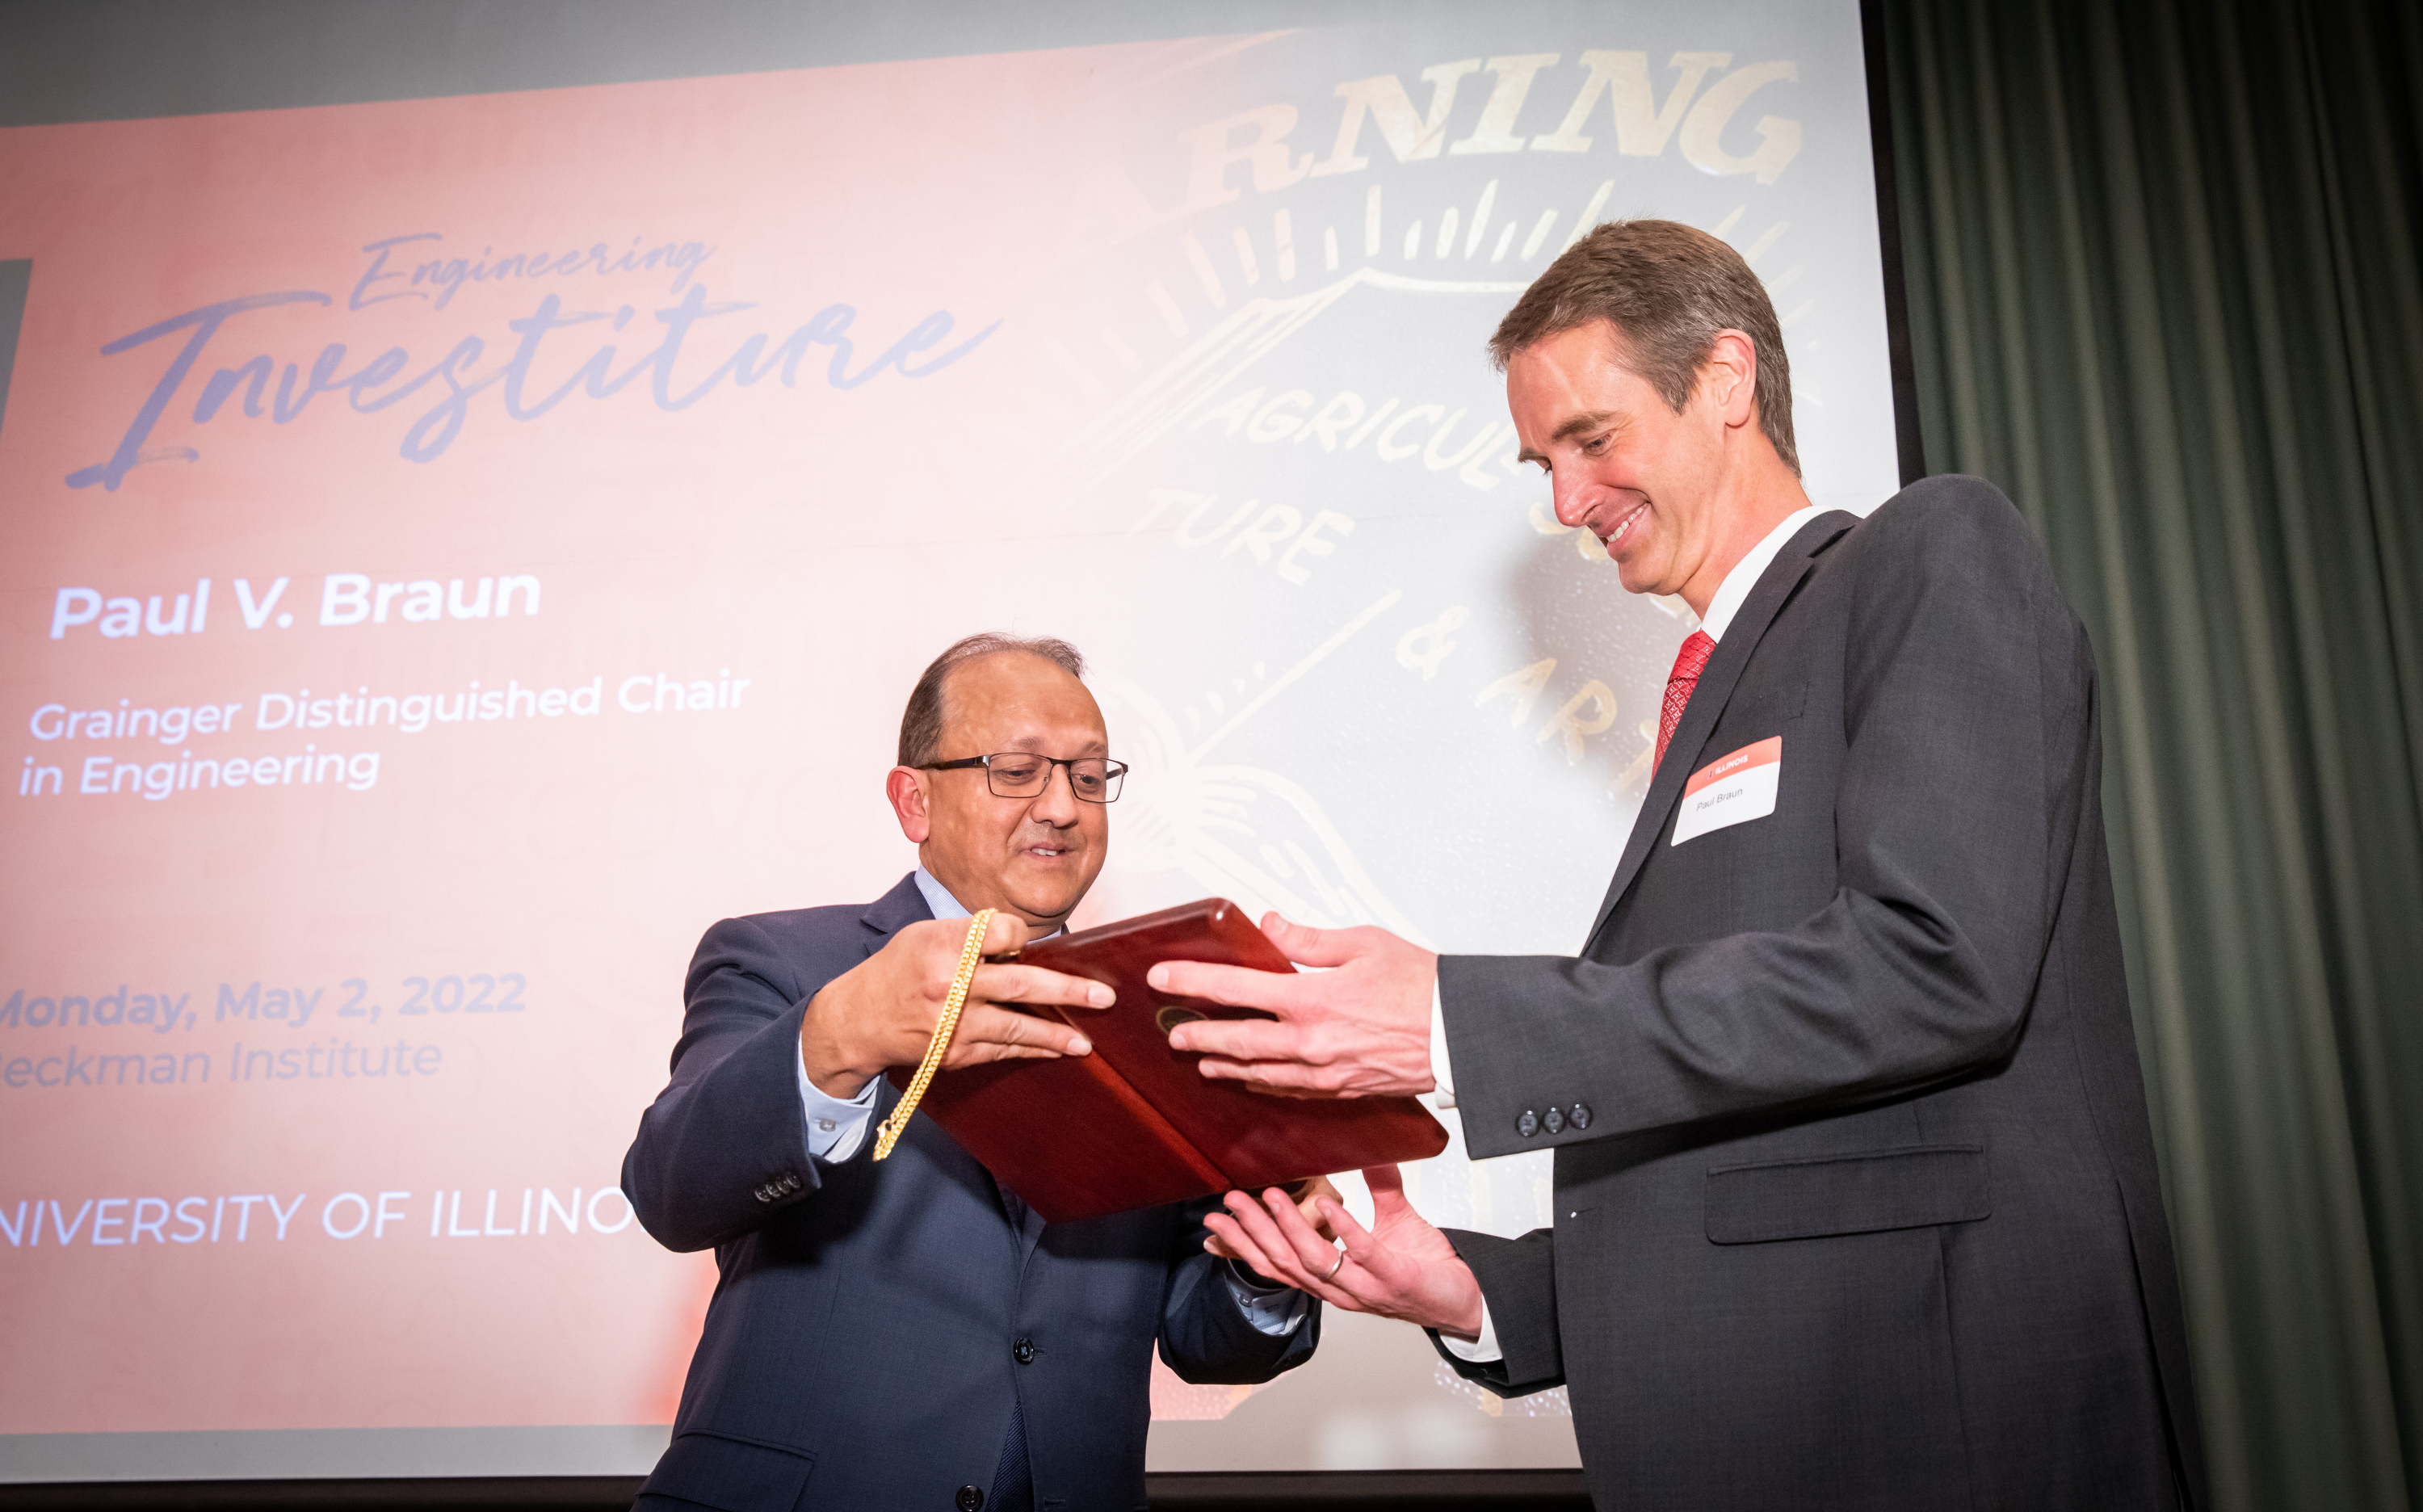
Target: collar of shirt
[(1743, 578), (940, 903)]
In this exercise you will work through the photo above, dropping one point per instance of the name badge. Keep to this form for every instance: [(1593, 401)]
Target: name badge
[(1730, 790)]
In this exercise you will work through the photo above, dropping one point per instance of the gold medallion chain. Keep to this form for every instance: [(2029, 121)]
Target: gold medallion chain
[(971, 954)]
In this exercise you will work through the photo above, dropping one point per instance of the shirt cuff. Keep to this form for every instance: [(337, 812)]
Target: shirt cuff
[(835, 1129), (1441, 1071), (1481, 1351), (1275, 1310)]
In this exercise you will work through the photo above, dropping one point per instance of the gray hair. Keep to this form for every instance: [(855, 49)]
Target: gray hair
[(921, 722)]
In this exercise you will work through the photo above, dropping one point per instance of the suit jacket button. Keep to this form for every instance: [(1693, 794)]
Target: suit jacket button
[(1580, 1118), (1023, 1351), (970, 1498), (1555, 1120), (763, 1195), (1529, 1124)]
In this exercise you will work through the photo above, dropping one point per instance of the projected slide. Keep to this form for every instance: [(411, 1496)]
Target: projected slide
[(461, 548)]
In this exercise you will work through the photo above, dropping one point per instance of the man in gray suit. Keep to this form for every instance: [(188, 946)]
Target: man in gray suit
[(1856, 1203), (912, 1334)]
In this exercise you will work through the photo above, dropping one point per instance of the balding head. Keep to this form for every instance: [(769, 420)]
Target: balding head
[(986, 695)]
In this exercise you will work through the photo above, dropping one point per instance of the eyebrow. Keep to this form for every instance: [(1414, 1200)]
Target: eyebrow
[(1574, 425)]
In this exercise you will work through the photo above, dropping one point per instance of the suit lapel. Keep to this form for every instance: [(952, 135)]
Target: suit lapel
[(1030, 1231), (884, 918), (903, 905), (1708, 699)]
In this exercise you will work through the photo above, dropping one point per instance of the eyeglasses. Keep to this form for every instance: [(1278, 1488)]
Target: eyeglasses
[(1024, 774)]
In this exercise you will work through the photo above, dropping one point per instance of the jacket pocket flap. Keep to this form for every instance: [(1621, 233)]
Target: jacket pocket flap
[(1790, 701), (733, 1473), (1907, 1189)]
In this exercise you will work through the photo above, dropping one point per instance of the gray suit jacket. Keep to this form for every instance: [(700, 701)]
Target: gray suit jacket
[(873, 1324), (1856, 1202)]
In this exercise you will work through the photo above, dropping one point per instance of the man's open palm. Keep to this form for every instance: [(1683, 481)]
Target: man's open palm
[(1401, 1268)]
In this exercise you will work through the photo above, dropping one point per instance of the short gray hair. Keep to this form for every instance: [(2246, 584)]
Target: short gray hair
[(921, 722)]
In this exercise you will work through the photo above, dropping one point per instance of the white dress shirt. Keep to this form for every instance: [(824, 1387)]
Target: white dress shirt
[(1731, 593), (837, 1127), (1730, 596)]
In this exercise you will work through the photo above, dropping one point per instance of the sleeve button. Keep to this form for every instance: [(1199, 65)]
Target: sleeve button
[(1580, 1118), (1529, 1124), (1556, 1120)]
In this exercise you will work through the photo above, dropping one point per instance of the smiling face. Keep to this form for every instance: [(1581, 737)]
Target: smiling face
[(1650, 483), (1033, 857)]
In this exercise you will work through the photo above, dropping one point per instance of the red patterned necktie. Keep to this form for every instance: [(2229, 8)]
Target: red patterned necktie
[(1679, 683)]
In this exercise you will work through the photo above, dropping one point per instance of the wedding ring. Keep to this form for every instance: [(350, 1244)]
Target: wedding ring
[(1332, 1272)]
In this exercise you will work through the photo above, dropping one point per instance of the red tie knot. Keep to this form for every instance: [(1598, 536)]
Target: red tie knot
[(1694, 654), (1688, 661)]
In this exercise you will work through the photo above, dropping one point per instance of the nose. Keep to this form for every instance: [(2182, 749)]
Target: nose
[(1572, 498), (1056, 804)]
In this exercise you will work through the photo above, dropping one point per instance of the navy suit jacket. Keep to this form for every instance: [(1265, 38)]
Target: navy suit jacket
[(861, 1351), (1856, 1203)]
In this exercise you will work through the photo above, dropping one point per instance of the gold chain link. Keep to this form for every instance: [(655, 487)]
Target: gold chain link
[(970, 953)]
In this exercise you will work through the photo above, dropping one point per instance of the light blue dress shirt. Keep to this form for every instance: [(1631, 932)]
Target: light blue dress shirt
[(837, 1127)]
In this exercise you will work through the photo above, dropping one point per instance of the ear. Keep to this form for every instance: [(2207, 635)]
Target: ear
[(906, 787), (1730, 377)]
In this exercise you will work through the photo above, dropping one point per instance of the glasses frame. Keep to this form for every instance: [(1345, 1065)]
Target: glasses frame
[(1113, 773)]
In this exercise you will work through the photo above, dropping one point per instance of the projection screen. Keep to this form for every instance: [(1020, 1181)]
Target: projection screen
[(462, 546)]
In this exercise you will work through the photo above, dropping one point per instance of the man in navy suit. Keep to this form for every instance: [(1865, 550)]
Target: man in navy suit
[(911, 1334)]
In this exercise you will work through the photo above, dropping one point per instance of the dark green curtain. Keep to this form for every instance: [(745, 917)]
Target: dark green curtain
[(2160, 261)]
